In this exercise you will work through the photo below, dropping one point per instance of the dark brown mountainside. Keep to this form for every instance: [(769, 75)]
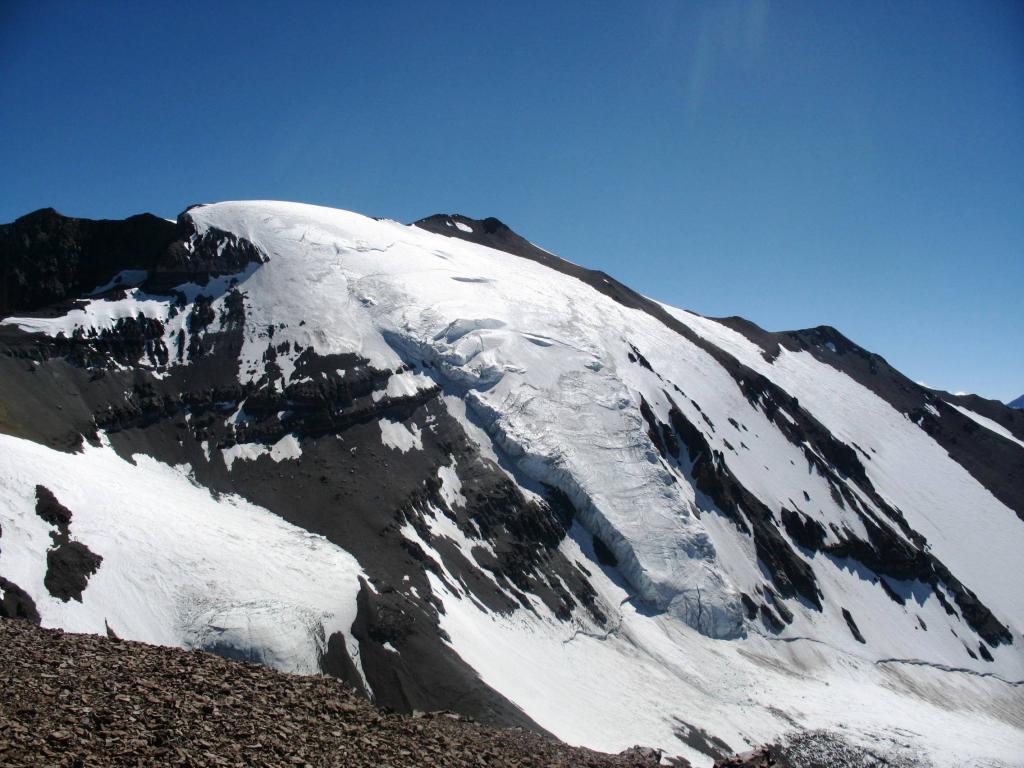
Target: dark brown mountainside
[(82, 700)]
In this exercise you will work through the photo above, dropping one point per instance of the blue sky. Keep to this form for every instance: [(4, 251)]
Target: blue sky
[(853, 164)]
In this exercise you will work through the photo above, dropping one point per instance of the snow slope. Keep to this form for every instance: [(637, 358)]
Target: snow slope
[(179, 567), (909, 468)]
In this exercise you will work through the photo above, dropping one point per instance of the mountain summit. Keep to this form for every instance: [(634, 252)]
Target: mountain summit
[(461, 473)]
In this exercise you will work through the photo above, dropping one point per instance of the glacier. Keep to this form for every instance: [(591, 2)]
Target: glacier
[(707, 628)]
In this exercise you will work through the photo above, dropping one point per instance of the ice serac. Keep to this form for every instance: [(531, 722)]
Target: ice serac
[(540, 361)]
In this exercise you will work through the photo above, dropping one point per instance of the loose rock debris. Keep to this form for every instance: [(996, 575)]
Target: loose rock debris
[(84, 700)]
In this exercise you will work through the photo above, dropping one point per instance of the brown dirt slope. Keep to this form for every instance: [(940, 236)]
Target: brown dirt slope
[(83, 700)]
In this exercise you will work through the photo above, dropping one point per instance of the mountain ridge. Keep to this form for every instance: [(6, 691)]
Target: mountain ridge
[(510, 461)]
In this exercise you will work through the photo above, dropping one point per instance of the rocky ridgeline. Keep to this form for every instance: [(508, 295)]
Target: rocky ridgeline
[(83, 700)]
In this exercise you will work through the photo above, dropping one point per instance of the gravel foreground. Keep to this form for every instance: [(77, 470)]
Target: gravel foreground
[(84, 700)]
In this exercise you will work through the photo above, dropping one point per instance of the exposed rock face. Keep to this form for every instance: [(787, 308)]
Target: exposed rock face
[(765, 757), (46, 258), (16, 603)]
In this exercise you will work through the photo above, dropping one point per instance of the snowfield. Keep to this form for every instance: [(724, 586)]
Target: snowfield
[(180, 567), (549, 378)]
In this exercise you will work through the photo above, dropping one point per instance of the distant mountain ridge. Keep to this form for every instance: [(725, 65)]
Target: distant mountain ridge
[(1018, 403), (461, 473)]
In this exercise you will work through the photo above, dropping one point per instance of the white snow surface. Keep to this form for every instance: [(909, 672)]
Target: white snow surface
[(403, 384), (451, 486), (286, 448), (96, 313), (395, 434), (536, 367), (179, 566)]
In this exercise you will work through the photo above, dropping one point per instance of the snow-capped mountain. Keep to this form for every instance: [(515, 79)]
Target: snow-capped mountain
[(462, 473)]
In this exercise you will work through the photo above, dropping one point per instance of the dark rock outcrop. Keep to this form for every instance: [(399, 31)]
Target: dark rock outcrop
[(47, 258), (69, 564), (764, 757)]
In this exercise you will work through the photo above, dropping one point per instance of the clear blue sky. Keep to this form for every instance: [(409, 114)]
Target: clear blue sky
[(855, 164)]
